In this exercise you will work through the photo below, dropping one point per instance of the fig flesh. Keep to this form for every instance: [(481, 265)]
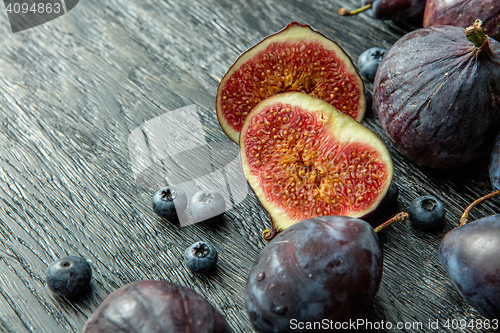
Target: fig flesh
[(436, 94), (155, 306), (462, 12), (303, 158), (469, 255), (325, 268), (296, 58)]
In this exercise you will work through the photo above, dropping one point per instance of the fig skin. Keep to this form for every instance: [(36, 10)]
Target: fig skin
[(437, 96), (296, 58), (323, 268), (312, 160), (462, 12), (155, 306)]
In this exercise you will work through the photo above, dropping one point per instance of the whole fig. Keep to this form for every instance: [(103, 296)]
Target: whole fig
[(436, 94), (461, 12), (155, 306)]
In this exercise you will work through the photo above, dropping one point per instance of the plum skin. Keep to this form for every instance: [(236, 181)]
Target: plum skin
[(396, 9), (155, 306), (495, 165), (469, 254), (327, 267)]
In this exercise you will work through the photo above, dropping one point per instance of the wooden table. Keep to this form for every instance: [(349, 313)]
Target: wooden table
[(74, 89)]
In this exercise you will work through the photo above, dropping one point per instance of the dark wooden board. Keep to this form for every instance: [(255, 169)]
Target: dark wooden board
[(72, 91)]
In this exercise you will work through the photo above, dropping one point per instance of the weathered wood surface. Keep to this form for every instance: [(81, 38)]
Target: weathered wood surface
[(71, 92)]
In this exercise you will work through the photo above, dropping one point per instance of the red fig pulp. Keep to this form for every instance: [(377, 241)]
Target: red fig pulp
[(296, 58), (303, 158)]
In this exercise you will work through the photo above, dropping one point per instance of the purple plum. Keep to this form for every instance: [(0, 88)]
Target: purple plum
[(155, 306)]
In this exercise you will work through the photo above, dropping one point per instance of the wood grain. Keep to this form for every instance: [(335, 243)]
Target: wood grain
[(71, 92)]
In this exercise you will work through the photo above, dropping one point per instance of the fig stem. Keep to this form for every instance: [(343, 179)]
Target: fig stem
[(347, 12), (475, 34), (465, 215), (400, 217), (269, 234)]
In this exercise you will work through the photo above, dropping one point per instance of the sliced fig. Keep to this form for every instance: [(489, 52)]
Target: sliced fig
[(436, 94), (296, 58), (303, 158)]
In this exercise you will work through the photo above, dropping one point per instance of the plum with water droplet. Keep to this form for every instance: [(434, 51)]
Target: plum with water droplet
[(322, 268)]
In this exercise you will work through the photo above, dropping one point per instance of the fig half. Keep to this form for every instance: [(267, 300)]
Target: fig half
[(296, 58), (303, 158), (436, 94)]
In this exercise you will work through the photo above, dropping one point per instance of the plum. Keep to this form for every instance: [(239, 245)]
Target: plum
[(155, 306), (390, 9), (323, 268), (469, 254), (495, 165)]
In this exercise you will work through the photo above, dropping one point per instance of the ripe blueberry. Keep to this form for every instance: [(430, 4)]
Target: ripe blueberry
[(426, 213), (168, 201), (207, 205), (369, 60), (391, 196), (200, 257), (69, 276)]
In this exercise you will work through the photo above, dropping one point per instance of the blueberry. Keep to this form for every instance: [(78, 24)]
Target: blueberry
[(207, 205), (168, 201), (200, 257), (426, 213), (369, 60), (69, 276), (391, 196)]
